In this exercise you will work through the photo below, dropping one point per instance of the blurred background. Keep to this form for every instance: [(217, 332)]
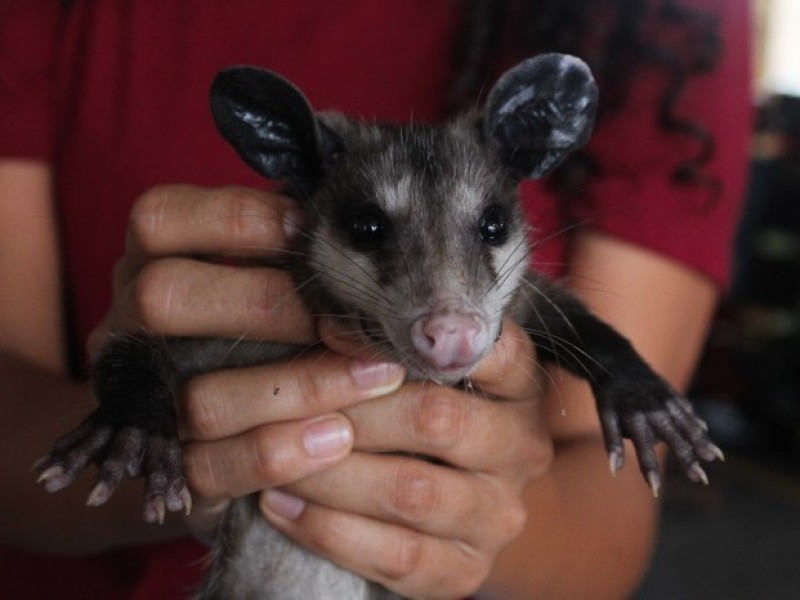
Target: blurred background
[(739, 538)]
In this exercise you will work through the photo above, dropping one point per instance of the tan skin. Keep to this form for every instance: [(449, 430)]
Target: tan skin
[(527, 509)]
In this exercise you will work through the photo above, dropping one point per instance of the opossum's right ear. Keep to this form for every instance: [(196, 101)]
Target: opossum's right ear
[(270, 124)]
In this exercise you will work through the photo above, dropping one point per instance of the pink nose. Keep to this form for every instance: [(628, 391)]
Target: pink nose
[(450, 337)]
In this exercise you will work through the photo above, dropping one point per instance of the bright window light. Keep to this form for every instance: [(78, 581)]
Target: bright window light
[(780, 70)]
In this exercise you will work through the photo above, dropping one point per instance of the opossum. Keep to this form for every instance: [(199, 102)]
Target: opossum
[(415, 233)]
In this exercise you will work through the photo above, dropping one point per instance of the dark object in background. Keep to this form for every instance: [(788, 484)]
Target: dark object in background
[(754, 350)]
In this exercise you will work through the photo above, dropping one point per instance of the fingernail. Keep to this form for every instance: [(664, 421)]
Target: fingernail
[(328, 437), (377, 377), (284, 505)]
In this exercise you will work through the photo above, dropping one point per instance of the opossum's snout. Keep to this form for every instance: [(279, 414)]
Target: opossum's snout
[(451, 338)]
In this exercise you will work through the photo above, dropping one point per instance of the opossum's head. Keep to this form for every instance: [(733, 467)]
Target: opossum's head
[(414, 233)]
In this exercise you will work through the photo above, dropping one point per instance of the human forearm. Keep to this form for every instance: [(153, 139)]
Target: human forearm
[(39, 402), (588, 534), (30, 277)]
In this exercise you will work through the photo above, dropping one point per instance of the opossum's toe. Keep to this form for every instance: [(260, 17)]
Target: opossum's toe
[(702, 424), (165, 484), (612, 435), (716, 451), (177, 500), (156, 505), (71, 454), (180, 500), (689, 439), (124, 458), (54, 478), (644, 437), (691, 427), (155, 511)]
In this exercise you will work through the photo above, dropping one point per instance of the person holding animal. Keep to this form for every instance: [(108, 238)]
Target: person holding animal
[(308, 430)]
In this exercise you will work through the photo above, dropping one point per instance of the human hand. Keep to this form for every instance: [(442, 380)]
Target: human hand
[(176, 278), (422, 528), (173, 278)]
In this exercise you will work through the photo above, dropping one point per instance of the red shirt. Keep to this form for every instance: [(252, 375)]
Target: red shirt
[(114, 95)]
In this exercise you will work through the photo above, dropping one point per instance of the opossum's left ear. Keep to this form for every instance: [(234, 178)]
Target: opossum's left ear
[(270, 123), (539, 111)]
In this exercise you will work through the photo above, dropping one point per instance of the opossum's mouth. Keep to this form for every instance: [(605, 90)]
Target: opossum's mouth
[(417, 367), (449, 375)]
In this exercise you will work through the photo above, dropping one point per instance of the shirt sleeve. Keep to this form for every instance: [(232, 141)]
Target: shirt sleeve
[(27, 42), (636, 197)]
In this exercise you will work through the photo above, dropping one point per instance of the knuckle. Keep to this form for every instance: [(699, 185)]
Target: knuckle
[(402, 558), (272, 467), (200, 414), (152, 293), (148, 215), (415, 496), (199, 471), (312, 391), (322, 540), (535, 456), (459, 574), (511, 516), (267, 295), (441, 419), (247, 216), (120, 274), (470, 579)]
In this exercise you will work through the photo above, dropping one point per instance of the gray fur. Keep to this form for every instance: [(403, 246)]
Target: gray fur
[(253, 561)]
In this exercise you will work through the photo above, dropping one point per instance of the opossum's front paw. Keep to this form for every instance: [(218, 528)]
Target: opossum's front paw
[(649, 411), (119, 451)]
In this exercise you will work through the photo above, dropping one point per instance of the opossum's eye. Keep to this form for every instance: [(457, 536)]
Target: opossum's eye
[(493, 228), (368, 228)]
